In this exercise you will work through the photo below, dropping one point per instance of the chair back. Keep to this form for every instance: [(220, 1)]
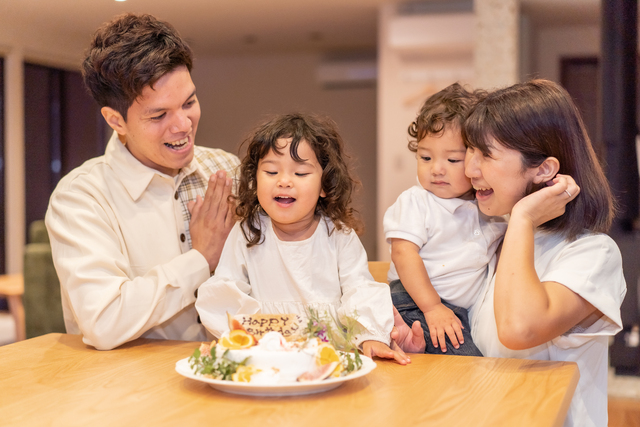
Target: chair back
[(379, 270), (38, 232), (41, 299)]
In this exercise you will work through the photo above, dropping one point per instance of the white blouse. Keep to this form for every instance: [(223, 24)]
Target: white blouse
[(328, 272), (590, 266)]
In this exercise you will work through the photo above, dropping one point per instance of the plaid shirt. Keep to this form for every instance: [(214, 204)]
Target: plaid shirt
[(195, 177)]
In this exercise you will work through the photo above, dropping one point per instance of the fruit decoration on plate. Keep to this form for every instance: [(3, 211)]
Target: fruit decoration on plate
[(276, 349)]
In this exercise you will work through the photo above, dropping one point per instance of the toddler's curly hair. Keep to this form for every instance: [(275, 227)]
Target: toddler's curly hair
[(449, 107)]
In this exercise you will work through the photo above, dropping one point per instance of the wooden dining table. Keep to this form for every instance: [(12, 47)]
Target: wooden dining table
[(56, 380)]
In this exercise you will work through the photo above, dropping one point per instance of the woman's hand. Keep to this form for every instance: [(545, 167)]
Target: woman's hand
[(379, 349), (442, 320), (547, 203)]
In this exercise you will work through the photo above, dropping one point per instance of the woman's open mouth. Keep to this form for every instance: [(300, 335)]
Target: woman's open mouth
[(483, 193)]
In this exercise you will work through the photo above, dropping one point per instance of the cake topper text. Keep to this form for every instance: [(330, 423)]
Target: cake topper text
[(260, 324)]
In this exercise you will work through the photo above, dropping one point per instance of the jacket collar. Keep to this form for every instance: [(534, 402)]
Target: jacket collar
[(134, 176)]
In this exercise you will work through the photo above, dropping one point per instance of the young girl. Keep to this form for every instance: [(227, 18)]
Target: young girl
[(295, 246), (558, 287)]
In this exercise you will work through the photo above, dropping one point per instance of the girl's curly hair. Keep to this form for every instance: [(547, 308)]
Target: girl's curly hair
[(322, 136)]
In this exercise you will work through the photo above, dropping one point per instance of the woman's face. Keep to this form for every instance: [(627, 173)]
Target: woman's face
[(499, 179)]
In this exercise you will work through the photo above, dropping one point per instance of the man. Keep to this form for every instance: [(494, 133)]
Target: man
[(135, 232)]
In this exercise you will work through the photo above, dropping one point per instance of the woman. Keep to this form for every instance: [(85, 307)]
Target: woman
[(558, 286)]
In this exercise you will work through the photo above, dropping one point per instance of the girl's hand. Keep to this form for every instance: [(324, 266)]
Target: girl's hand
[(379, 349), (442, 320), (547, 203)]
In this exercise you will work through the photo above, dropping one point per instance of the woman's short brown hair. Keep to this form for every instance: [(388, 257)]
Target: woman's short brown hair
[(129, 53), (539, 120)]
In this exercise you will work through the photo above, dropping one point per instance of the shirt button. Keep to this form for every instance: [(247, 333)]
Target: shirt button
[(183, 237), (176, 195), (476, 232), (198, 320), (195, 293)]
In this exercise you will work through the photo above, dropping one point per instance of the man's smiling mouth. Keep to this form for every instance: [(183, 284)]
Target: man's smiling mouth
[(178, 144)]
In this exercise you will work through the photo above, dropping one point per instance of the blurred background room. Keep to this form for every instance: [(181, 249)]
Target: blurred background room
[(368, 64)]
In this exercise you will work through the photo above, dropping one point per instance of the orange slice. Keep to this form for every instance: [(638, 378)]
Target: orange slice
[(243, 374), (325, 355), (237, 340)]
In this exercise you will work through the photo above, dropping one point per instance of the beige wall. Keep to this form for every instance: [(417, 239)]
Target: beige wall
[(45, 46), (238, 92), (409, 71), (552, 44)]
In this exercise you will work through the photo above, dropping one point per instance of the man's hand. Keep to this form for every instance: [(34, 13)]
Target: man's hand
[(442, 320), (378, 349), (212, 218), (403, 337)]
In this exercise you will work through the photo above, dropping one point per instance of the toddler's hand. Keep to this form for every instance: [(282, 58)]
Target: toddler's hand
[(406, 338), (441, 320), (379, 349)]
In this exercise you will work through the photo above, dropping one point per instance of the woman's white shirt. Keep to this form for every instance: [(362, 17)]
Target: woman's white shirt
[(328, 272), (591, 266)]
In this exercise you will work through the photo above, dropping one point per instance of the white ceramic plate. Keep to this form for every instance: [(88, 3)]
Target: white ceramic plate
[(291, 389)]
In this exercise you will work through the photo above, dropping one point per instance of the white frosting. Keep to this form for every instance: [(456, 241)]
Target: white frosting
[(273, 341), (278, 360)]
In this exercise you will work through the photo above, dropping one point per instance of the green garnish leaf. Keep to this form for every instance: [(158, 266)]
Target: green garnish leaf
[(341, 337)]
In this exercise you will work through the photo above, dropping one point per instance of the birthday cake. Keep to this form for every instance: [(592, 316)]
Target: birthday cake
[(280, 353)]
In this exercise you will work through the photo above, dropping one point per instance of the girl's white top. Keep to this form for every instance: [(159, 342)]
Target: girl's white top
[(328, 272), (590, 266)]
